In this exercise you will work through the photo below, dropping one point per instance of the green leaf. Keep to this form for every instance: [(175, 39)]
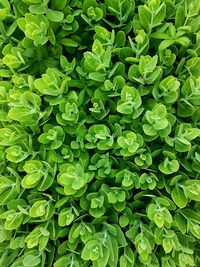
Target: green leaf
[(178, 197), (55, 16), (68, 42), (31, 261), (191, 189)]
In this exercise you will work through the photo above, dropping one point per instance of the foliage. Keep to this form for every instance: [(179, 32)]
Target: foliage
[(99, 133)]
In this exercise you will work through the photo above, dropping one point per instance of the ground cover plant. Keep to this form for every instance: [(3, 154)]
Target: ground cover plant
[(99, 133)]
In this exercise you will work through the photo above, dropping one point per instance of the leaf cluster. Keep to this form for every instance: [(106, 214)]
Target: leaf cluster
[(99, 133)]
